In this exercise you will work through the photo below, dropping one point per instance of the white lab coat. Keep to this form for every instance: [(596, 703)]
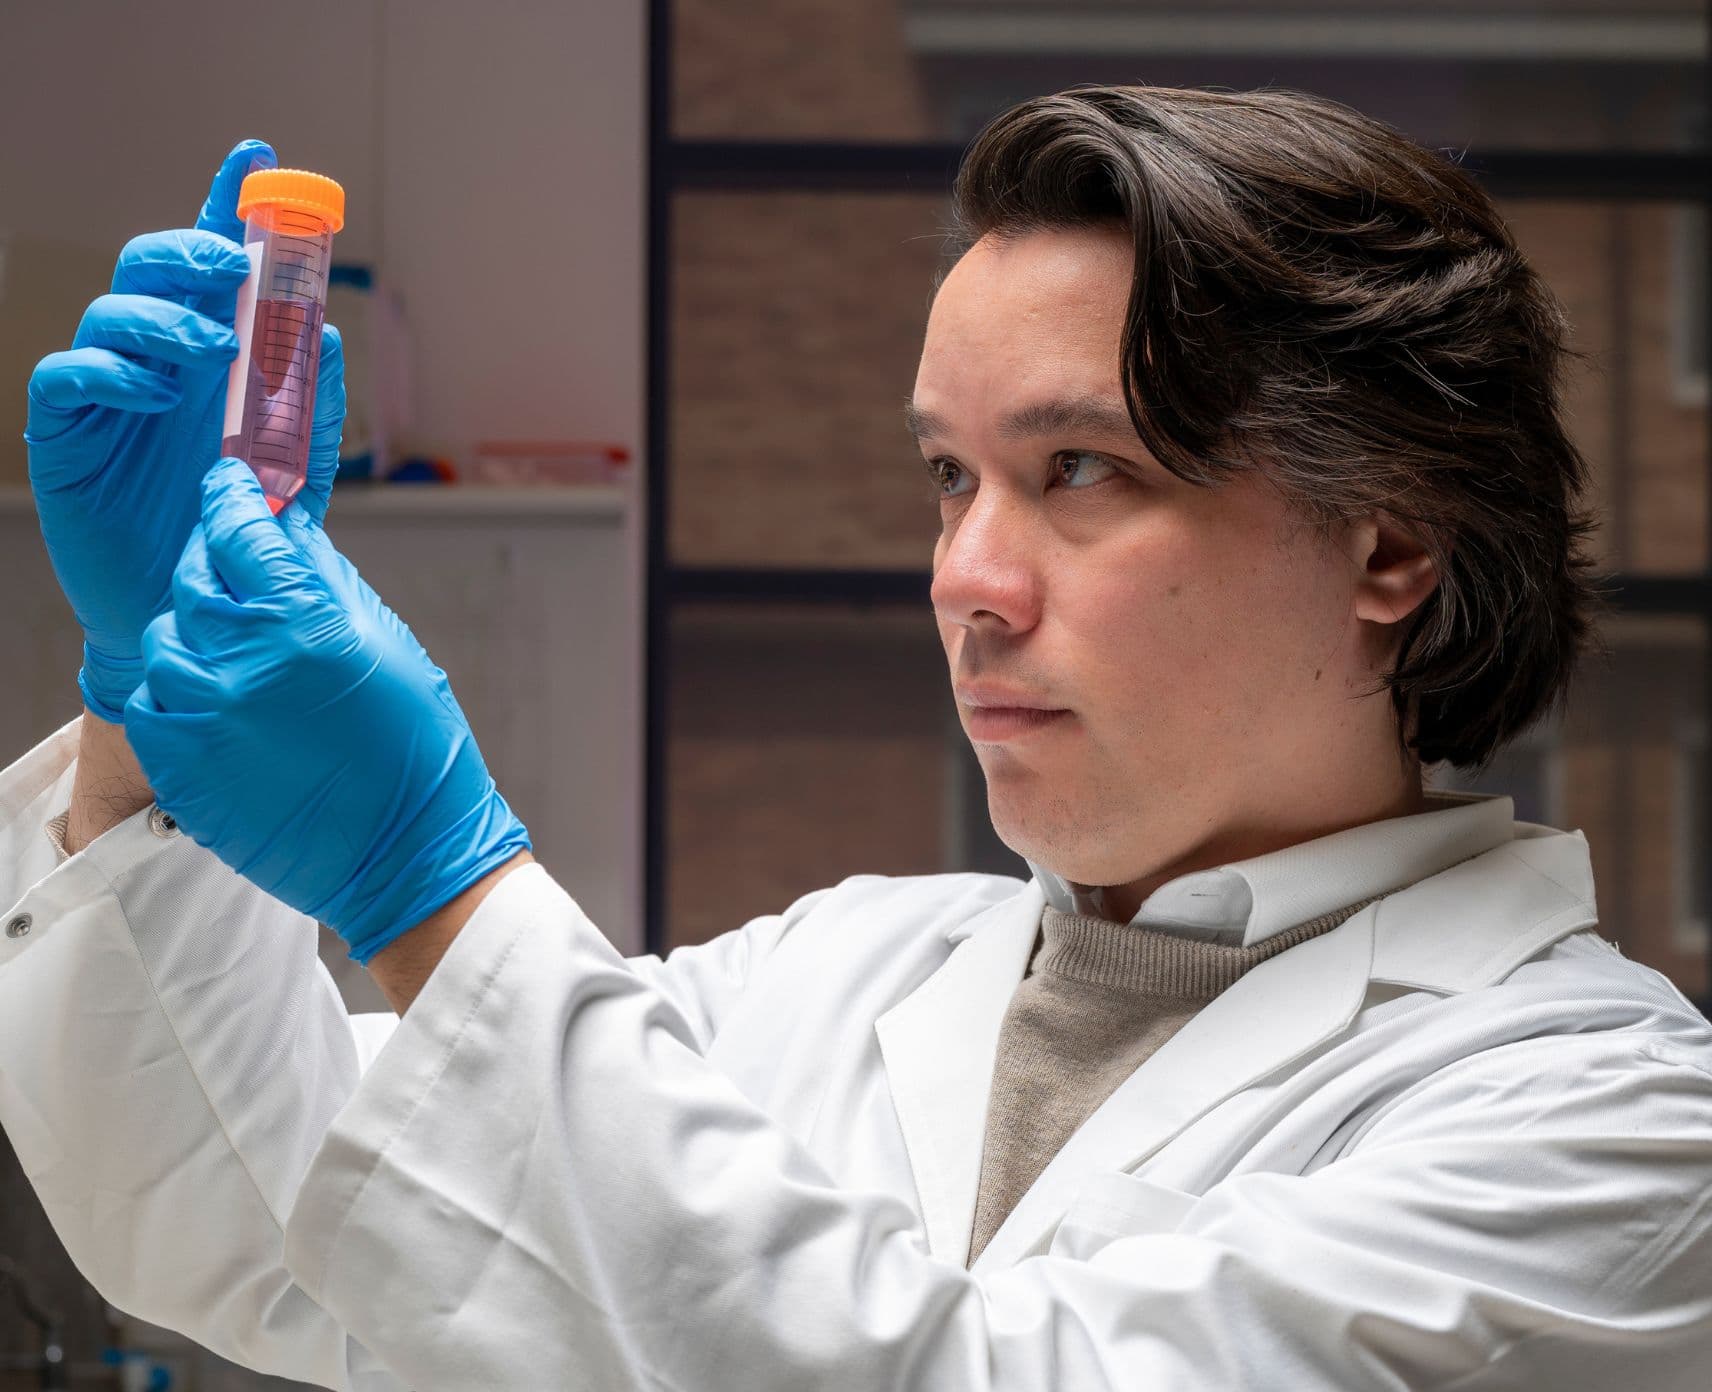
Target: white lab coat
[(1458, 1142)]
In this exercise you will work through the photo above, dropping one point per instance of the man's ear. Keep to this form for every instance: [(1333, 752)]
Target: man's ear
[(1395, 573)]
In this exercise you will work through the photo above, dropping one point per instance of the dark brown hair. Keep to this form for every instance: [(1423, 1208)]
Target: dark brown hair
[(1317, 297)]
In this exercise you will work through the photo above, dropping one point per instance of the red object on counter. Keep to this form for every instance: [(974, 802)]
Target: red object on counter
[(548, 462)]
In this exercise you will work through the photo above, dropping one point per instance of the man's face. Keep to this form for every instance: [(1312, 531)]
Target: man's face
[(1198, 642)]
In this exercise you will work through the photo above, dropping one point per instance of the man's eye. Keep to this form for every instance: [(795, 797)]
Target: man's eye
[(946, 476), (1078, 472)]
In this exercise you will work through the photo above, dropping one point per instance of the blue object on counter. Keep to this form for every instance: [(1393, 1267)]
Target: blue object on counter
[(421, 468), (357, 277), (133, 1361)]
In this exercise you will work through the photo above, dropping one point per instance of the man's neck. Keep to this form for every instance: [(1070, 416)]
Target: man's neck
[(1244, 842)]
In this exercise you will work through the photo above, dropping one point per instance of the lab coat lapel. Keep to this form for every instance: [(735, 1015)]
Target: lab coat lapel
[(1280, 1010), (938, 1045)]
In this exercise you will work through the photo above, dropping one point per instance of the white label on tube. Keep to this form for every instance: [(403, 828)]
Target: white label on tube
[(245, 323)]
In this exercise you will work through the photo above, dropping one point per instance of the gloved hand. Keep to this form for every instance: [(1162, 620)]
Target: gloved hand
[(294, 726), (122, 427)]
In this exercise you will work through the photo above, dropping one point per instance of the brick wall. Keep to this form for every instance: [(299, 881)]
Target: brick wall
[(797, 323)]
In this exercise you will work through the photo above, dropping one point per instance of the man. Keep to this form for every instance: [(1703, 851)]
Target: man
[(1279, 1072)]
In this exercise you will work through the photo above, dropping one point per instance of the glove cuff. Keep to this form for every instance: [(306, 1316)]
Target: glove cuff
[(436, 877), (107, 684)]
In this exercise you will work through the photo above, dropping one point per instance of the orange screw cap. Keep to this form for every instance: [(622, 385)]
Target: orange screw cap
[(296, 189)]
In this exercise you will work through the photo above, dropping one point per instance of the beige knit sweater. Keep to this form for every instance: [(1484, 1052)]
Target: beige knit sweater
[(1098, 998)]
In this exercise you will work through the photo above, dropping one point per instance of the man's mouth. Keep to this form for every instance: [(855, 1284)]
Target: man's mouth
[(995, 713), (992, 724)]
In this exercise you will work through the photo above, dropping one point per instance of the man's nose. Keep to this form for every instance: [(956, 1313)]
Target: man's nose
[(988, 571)]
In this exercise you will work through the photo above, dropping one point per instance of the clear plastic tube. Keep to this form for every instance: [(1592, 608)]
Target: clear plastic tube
[(290, 218)]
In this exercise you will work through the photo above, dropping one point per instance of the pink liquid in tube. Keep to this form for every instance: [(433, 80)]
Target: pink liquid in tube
[(290, 218), (279, 397)]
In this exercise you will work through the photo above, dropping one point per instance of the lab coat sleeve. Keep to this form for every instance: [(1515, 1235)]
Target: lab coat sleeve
[(542, 1183), (171, 1053), (702, 981)]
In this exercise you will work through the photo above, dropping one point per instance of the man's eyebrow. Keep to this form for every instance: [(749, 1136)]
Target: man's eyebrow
[(1091, 415), (922, 423)]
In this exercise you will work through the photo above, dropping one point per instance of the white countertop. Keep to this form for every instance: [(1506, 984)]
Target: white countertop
[(438, 501)]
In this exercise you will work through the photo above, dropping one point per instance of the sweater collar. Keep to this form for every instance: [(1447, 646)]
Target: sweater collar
[(1248, 901)]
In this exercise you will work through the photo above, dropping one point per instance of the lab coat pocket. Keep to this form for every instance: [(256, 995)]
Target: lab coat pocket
[(1110, 1206)]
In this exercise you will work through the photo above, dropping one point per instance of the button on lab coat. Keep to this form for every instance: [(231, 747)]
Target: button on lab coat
[(1458, 1142)]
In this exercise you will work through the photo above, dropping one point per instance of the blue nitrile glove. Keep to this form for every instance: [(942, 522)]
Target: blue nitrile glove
[(122, 427), (295, 727)]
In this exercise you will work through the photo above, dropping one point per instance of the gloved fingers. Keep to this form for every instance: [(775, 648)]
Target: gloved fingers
[(307, 535), (75, 380), (248, 548), (177, 677), (206, 613), (161, 738), (339, 580), (220, 209), (146, 327), (327, 428), (329, 390), (182, 263)]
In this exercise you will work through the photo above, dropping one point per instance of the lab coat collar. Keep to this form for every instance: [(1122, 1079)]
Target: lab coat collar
[(1473, 924), (1462, 928), (1247, 901)]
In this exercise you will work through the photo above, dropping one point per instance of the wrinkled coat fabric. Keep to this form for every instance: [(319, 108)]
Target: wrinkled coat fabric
[(1458, 1142)]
